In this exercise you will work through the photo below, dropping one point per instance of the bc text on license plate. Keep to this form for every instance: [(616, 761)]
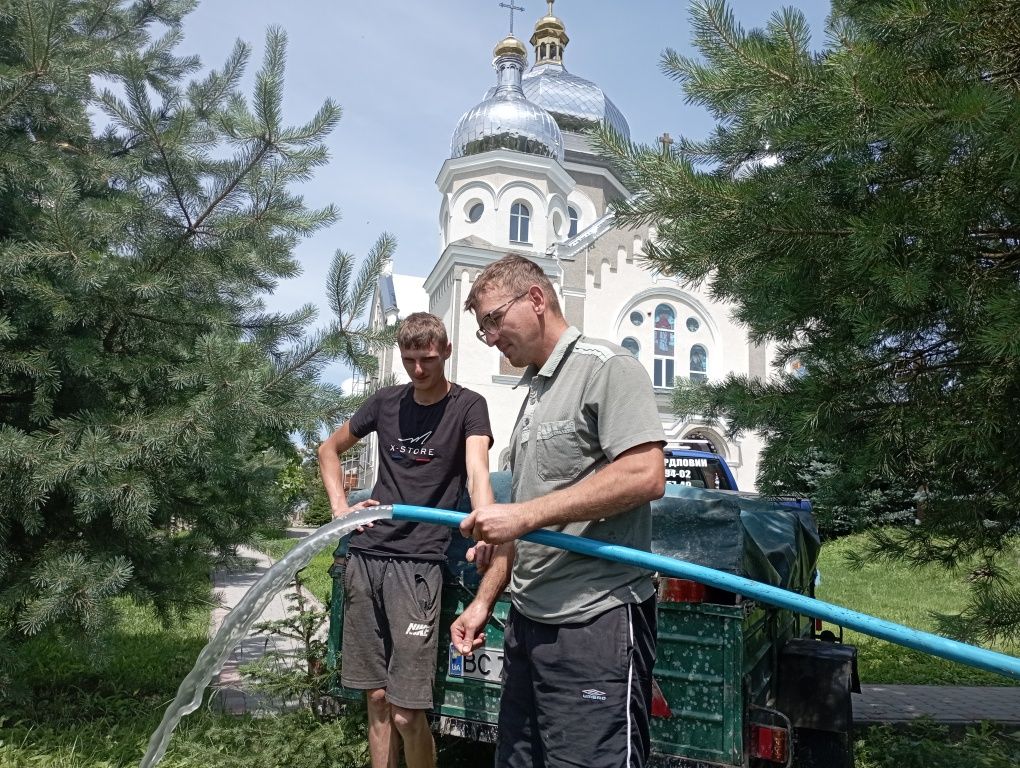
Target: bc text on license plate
[(483, 664)]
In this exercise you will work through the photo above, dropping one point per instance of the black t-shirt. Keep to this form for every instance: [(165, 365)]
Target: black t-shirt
[(421, 462)]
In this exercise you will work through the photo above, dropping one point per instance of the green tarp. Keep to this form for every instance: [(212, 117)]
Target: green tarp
[(738, 533)]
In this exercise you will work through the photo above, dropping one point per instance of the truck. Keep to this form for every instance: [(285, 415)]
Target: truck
[(737, 683), (694, 464)]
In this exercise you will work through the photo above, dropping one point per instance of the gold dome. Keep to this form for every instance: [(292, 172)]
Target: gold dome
[(549, 38), (549, 25), (510, 46)]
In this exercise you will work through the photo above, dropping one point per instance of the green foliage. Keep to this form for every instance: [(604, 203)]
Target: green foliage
[(858, 209), (843, 500), (291, 482), (910, 594), (318, 512), (94, 705), (316, 575), (297, 741), (926, 745), (303, 481), (146, 395), (63, 679), (203, 739), (299, 677)]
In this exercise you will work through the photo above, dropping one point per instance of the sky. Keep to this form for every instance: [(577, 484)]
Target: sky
[(404, 72)]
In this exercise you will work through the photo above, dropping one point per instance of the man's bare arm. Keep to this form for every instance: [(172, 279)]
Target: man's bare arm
[(635, 477), (330, 451), (468, 630), (476, 458)]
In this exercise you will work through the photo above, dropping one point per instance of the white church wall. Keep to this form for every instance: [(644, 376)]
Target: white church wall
[(586, 211), (618, 284), (534, 197), (497, 180)]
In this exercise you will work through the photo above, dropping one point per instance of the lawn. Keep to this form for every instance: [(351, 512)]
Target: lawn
[(315, 575), (907, 596), (95, 707)]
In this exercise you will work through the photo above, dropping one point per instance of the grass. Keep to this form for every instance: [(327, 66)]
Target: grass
[(315, 575), (202, 740), (925, 745), (907, 596), (95, 706)]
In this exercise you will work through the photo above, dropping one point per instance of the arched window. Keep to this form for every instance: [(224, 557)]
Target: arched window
[(663, 366), (572, 213), (699, 441), (520, 218), (699, 363), (670, 339)]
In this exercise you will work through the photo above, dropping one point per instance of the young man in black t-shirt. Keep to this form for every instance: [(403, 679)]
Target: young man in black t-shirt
[(434, 439)]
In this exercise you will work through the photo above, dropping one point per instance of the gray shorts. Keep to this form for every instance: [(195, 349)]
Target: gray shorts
[(391, 632)]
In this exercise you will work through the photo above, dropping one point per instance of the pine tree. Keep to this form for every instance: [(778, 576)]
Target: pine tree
[(147, 398), (859, 208)]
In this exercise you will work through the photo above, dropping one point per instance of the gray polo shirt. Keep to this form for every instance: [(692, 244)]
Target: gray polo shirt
[(590, 402)]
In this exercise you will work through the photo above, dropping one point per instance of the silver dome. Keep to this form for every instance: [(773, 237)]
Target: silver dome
[(506, 119), (576, 103)]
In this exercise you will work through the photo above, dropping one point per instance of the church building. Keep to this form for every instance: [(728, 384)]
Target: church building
[(522, 177)]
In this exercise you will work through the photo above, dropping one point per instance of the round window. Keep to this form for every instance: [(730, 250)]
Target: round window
[(636, 318), (475, 212), (558, 224), (693, 325)]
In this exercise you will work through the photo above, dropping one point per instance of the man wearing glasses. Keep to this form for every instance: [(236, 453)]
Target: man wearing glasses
[(434, 439), (586, 458)]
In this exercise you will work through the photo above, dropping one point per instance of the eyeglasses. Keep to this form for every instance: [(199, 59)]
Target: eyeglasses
[(492, 321)]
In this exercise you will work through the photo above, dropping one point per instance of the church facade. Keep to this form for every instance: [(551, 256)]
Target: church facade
[(522, 178)]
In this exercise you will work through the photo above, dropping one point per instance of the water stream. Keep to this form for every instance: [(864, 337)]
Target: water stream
[(237, 623)]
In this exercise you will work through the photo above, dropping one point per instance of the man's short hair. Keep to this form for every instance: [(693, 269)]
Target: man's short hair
[(513, 274), (420, 330)]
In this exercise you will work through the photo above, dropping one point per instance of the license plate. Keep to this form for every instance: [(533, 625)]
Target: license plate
[(483, 664)]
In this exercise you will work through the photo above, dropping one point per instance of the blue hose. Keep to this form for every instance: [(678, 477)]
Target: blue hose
[(766, 593)]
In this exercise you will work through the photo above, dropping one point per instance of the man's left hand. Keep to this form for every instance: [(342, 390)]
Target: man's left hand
[(481, 555)]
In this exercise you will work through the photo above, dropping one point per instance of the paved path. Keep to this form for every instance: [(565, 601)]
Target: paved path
[(229, 586), (952, 705)]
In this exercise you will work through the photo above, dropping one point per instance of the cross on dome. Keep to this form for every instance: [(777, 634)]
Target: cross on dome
[(513, 8)]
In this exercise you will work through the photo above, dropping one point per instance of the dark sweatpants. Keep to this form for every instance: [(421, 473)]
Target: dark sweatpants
[(578, 694)]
